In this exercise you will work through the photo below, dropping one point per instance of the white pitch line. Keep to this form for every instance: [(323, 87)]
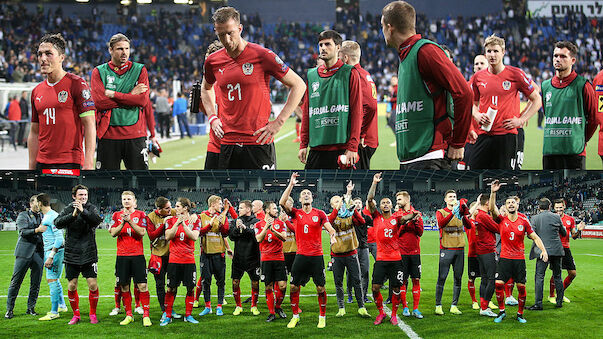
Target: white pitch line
[(283, 136), (403, 326), (592, 255)]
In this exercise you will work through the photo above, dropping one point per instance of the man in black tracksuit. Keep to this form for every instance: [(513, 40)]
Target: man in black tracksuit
[(363, 252), (246, 256), (80, 220)]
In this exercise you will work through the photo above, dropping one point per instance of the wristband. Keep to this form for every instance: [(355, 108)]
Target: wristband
[(212, 118)]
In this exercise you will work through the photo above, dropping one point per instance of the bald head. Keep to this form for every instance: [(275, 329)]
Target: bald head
[(479, 62), (257, 206), (350, 52)]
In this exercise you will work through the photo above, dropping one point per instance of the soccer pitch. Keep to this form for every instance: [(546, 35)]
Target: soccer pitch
[(183, 154), (582, 314)]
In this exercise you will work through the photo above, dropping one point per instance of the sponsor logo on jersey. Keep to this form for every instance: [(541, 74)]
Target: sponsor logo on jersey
[(110, 79), (221, 70), (39, 98), (86, 94), (506, 85), (63, 96), (88, 103), (548, 96), (315, 93), (599, 88), (247, 68), (315, 218)]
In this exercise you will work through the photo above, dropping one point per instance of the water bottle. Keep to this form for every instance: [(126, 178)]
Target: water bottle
[(195, 97)]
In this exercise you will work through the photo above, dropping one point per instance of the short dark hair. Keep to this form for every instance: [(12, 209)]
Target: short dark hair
[(573, 49), (448, 192), (223, 14), (78, 187), (268, 204), (118, 38), (401, 15), (56, 40), (160, 202), (544, 204), (247, 203), (331, 34), (559, 201), (44, 199), (483, 200), (185, 202)]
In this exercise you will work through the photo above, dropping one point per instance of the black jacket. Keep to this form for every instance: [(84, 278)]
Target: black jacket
[(246, 248), (362, 231), (80, 234)]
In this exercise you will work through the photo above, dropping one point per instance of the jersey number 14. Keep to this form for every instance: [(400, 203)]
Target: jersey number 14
[(49, 113)]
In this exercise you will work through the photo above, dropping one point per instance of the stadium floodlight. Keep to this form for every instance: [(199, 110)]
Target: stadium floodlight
[(125, 2), (144, 1), (181, 2), (82, 0)]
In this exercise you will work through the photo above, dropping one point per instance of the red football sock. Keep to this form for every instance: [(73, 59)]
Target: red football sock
[(280, 295), (322, 303), (208, 304), (189, 300), (74, 300), (483, 303), (378, 301), (93, 299), (568, 280), (236, 293), (270, 300), (198, 288), (136, 296), (395, 303), (145, 300), (509, 287), (416, 293), (127, 296), (169, 303), (403, 295), (500, 295), (254, 296), (471, 288), (552, 287), (117, 293), (294, 302), (522, 298)]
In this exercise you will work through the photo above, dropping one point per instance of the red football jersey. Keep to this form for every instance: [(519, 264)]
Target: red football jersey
[(569, 223), (129, 243), (271, 247), (598, 86), (471, 239), (244, 87), (369, 130), (58, 110), (308, 230), (511, 237), (409, 241), (501, 92), (182, 248), (485, 229), (386, 236)]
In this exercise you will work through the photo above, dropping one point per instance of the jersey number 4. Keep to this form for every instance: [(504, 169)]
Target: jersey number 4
[(233, 88), (49, 113)]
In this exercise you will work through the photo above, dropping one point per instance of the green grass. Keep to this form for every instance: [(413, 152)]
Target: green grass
[(582, 314), (183, 150)]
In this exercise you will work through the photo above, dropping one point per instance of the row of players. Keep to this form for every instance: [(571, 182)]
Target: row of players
[(437, 112), (396, 231)]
